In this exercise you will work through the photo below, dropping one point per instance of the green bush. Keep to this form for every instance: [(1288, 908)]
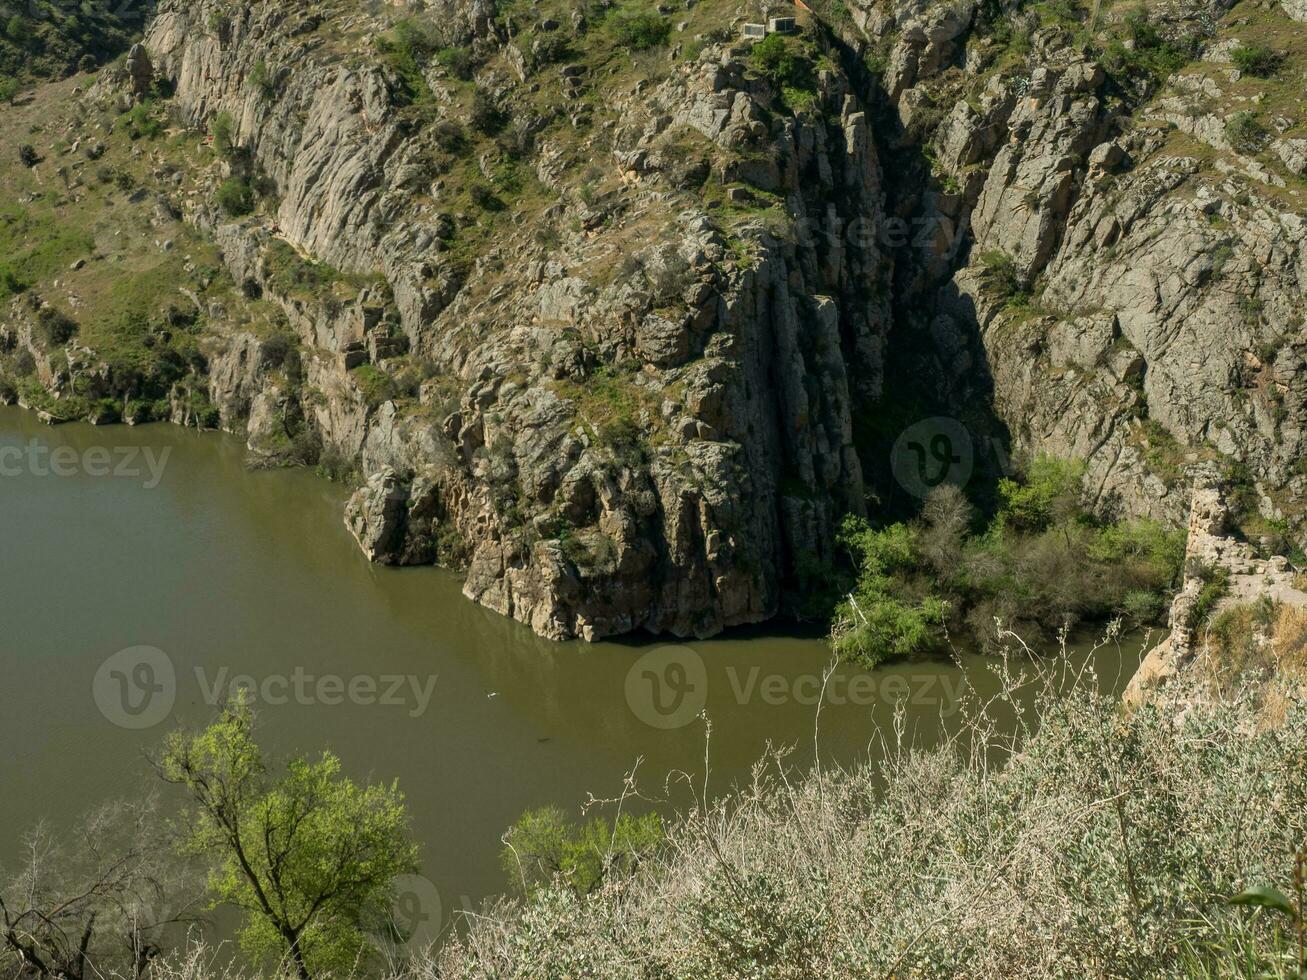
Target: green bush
[(1048, 494), (11, 283), (1145, 54), (54, 328), (486, 115), (376, 386), (236, 197), (263, 79), (1215, 587), (141, 123), (638, 27), (999, 274), (8, 89), (1257, 60), (544, 849), (408, 49), (1245, 133), (881, 619), (785, 62), (459, 62), (224, 129), (1042, 564)]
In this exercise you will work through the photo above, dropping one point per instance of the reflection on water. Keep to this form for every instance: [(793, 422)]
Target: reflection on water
[(128, 608)]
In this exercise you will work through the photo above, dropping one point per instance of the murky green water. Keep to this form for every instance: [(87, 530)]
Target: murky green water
[(232, 573)]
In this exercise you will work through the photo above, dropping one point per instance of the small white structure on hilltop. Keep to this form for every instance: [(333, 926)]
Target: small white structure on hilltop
[(754, 31)]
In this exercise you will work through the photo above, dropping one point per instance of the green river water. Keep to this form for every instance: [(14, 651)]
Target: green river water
[(231, 576)]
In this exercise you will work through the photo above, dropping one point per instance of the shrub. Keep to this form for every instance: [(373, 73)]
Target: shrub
[(483, 196), (639, 27), (1042, 564), (141, 124), (236, 197), (1049, 494), (28, 156), (54, 328), (224, 129), (459, 62), (11, 283), (544, 849), (263, 79), (881, 619), (1149, 56), (999, 274), (486, 116), (1216, 585), (8, 89), (1257, 60), (782, 61), (375, 385), (1245, 133), (1095, 836)]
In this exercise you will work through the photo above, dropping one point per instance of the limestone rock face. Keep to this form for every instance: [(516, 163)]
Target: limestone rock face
[(377, 516), (637, 419), (1297, 9), (1212, 549), (1125, 283), (629, 345), (140, 71)]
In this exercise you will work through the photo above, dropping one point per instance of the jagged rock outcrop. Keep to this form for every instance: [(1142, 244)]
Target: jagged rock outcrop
[(1111, 289), (654, 445), (1212, 552), (626, 341)]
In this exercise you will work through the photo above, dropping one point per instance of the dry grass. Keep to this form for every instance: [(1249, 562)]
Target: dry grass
[(1100, 845)]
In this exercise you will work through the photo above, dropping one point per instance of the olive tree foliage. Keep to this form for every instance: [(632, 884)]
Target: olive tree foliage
[(96, 903), (309, 856)]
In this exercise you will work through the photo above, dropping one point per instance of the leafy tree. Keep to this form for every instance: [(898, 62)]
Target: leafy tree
[(310, 857), (1050, 495), (544, 846), (885, 617)]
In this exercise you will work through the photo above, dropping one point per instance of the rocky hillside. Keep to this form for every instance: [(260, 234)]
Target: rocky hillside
[(623, 314)]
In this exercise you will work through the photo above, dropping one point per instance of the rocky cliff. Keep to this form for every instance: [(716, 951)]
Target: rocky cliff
[(621, 316)]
